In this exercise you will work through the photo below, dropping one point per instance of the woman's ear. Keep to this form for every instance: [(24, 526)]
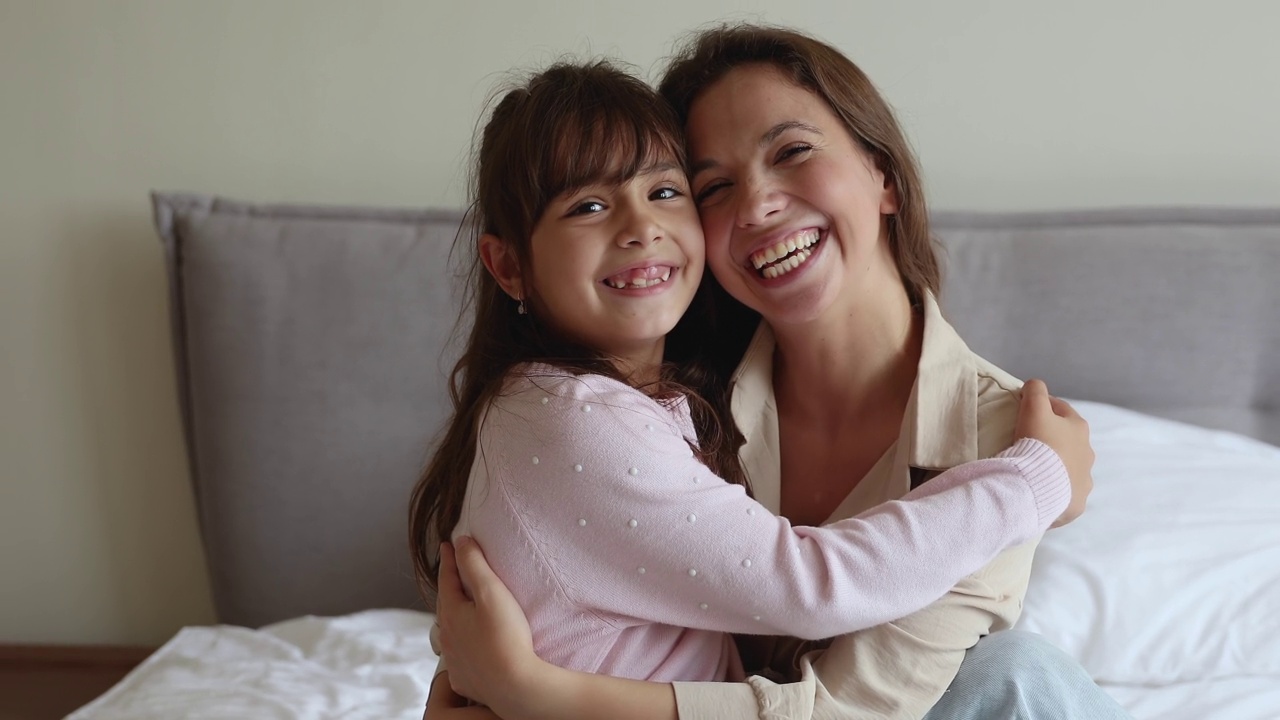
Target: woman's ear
[(500, 260), (889, 201), (889, 196)]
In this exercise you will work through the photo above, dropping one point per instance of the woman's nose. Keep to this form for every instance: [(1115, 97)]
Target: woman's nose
[(760, 200)]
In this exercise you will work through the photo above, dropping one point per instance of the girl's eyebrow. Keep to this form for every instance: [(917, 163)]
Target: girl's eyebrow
[(769, 136), (659, 168)]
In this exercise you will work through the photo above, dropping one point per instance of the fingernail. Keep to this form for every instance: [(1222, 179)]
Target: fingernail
[(464, 540)]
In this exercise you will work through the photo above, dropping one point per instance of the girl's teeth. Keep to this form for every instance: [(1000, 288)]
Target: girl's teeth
[(638, 281)]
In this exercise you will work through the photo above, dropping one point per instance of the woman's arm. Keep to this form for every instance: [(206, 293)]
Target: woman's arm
[(486, 638), (643, 532), (445, 704)]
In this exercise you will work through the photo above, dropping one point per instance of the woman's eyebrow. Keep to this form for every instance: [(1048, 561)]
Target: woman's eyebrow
[(784, 126), (769, 136)]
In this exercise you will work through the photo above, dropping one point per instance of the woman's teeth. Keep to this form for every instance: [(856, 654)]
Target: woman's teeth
[(639, 278), (787, 265), (780, 259)]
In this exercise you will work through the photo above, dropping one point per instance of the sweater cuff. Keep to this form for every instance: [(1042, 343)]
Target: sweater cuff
[(1046, 475), (715, 701)]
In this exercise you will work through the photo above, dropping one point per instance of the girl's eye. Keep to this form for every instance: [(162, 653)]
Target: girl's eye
[(587, 208), (711, 189), (665, 193), (792, 151)]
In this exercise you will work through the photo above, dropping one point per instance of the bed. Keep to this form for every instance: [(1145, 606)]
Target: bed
[(311, 346)]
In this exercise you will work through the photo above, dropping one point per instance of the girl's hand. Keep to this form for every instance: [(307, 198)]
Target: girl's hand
[(484, 634), (1055, 423), (445, 704)]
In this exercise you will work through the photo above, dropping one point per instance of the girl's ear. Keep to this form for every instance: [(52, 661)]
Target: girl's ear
[(500, 260)]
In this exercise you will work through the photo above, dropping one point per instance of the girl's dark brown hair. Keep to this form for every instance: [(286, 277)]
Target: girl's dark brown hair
[(821, 69), (567, 127)]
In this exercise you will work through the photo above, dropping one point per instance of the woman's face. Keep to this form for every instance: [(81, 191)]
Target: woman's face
[(792, 207)]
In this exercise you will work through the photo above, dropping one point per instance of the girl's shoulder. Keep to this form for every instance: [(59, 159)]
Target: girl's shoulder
[(537, 380), (544, 384), (588, 397)]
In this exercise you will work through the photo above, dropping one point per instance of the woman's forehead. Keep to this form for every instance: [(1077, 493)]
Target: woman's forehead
[(752, 104)]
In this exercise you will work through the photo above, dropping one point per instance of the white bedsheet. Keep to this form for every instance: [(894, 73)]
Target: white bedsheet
[(378, 664), (1241, 698), (375, 664)]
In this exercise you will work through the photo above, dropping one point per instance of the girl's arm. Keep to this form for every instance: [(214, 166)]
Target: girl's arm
[(610, 503)]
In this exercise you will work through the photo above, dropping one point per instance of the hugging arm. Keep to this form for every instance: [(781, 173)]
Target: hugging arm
[(486, 633), (956, 504), (644, 533)]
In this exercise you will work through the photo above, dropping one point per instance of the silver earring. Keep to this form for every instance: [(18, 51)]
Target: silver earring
[(520, 308)]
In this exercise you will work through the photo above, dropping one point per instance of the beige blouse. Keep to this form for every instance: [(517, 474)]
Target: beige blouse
[(962, 408)]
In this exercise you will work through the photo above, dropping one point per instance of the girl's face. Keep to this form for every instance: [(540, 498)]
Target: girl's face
[(792, 207), (615, 266)]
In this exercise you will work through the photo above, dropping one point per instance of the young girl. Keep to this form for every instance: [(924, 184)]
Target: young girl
[(601, 485)]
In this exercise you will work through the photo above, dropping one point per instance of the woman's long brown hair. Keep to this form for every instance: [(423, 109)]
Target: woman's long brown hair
[(568, 126)]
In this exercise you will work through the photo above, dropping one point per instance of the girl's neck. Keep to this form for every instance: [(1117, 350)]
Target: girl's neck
[(641, 365), (857, 360)]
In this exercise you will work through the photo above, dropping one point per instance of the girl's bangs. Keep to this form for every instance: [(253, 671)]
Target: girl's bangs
[(610, 143)]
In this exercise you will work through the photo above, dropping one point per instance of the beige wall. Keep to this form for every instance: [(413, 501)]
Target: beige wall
[(1011, 103)]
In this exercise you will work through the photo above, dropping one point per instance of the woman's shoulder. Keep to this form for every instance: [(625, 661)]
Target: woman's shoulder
[(999, 395)]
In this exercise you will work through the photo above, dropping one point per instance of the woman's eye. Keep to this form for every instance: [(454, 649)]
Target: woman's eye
[(587, 208), (711, 189), (665, 193), (792, 151)]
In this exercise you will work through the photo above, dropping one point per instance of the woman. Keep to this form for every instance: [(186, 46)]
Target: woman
[(814, 219)]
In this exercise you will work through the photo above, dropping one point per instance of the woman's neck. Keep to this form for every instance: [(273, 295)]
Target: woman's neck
[(857, 360)]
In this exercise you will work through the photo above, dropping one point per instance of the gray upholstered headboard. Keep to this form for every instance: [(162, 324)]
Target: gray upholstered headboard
[(309, 345)]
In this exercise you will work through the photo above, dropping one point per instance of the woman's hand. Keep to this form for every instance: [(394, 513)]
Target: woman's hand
[(1055, 423), (485, 638), (484, 634)]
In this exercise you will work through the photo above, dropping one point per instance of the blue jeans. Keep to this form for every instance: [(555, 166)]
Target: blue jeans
[(1015, 675)]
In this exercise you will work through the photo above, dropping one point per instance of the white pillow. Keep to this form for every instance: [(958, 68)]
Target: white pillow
[(1173, 573)]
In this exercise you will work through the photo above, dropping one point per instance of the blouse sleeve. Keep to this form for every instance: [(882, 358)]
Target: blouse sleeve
[(630, 525)]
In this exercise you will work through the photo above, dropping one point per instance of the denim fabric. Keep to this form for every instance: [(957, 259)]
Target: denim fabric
[(1016, 675)]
